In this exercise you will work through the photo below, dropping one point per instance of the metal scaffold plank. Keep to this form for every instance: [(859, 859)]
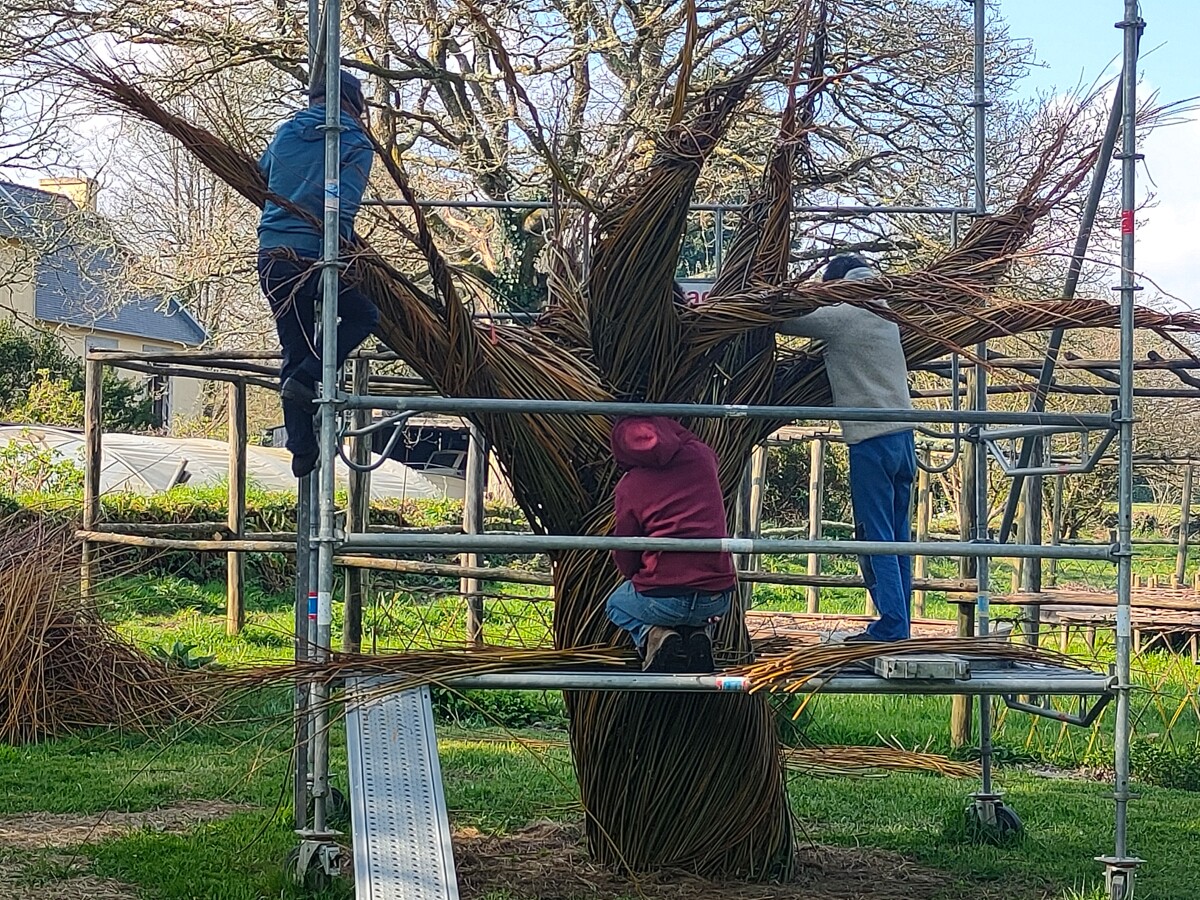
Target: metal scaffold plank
[(401, 831)]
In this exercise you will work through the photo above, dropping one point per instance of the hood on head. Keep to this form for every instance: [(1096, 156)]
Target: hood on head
[(860, 274), (646, 441), (309, 123)]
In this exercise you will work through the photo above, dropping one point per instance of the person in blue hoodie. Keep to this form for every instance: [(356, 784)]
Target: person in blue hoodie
[(290, 239)]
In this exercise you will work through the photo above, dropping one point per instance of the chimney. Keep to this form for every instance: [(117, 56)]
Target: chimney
[(80, 191)]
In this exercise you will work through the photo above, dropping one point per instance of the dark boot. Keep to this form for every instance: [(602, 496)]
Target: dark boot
[(697, 646), (304, 463), (664, 651)]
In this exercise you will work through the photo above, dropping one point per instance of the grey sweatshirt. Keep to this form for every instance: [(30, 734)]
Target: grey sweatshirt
[(863, 358)]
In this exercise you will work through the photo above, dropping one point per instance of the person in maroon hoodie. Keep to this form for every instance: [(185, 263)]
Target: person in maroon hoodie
[(671, 601)]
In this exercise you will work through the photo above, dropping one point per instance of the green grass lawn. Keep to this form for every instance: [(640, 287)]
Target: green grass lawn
[(501, 787)]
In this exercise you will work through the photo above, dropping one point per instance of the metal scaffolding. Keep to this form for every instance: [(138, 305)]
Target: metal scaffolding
[(988, 807), (320, 546)]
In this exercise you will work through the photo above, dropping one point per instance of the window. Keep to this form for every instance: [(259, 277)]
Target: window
[(159, 388)]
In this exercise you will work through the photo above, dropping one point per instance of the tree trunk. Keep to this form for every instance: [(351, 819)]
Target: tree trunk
[(689, 781)]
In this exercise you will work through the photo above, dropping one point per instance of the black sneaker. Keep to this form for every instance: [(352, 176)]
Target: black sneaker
[(664, 651), (697, 646)]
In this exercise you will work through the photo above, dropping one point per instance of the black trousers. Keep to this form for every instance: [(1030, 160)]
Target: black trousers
[(292, 285)]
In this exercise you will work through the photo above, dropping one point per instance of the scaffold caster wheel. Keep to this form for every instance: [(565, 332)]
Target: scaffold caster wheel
[(990, 819), (313, 864), (1119, 876)]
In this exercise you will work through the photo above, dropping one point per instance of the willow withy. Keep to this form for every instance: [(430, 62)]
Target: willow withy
[(689, 781)]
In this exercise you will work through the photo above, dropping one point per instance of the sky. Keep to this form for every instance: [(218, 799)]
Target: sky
[(1076, 43)]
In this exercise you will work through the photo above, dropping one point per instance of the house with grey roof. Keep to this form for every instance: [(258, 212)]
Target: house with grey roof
[(64, 269)]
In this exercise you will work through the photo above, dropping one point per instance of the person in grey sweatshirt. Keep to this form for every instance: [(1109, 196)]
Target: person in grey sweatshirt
[(866, 367)]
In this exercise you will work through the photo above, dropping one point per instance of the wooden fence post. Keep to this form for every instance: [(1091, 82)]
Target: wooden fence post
[(358, 510), (754, 510), (477, 454), (1185, 521), (235, 562), (93, 431), (1056, 519), (816, 511)]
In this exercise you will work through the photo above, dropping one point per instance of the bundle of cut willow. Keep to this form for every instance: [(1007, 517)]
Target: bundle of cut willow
[(62, 668), (842, 762)]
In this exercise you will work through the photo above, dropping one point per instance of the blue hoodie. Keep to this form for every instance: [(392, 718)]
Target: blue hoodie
[(294, 166)]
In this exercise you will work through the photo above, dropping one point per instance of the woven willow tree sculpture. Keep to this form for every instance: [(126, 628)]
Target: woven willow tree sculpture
[(686, 780)]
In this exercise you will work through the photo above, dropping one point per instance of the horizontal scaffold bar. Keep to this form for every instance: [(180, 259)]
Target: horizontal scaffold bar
[(878, 209), (718, 411), (1024, 680), (540, 543)]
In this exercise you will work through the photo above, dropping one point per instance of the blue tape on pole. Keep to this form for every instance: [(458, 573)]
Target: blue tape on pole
[(312, 605)]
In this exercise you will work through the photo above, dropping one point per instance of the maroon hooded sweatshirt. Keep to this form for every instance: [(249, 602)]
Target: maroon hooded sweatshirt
[(669, 490)]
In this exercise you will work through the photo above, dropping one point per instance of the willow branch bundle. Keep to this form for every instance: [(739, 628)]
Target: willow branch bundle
[(422, 667), (848, 762), (62, 668), (812, 762)]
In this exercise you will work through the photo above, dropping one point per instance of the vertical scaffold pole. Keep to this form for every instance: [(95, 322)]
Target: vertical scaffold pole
[(328, 432), (979, 107), (305, 632), (1120, 868), (302, 647)]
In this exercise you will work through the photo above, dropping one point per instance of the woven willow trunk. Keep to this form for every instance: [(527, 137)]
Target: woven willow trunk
[(692, 781)]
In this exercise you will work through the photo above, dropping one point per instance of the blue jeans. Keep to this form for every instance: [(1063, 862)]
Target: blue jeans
[(637, 613), (882, 470), (291, 287)]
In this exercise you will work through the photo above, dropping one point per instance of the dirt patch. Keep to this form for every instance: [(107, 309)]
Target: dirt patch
[(81, 888), (37, 831), (548, 862), (54, 831)]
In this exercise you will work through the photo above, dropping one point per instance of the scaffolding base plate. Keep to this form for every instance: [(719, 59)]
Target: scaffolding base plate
[(401, 831)]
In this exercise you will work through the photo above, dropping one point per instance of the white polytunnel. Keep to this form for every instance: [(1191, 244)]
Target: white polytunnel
[(152, 464)]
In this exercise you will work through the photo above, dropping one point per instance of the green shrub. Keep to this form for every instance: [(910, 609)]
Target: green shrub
[(1165, 765), (26, 468), (51, 491), (40, 381), (504, 709)]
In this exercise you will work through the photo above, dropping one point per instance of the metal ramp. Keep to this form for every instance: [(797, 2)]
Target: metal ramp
[(398, 814)]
